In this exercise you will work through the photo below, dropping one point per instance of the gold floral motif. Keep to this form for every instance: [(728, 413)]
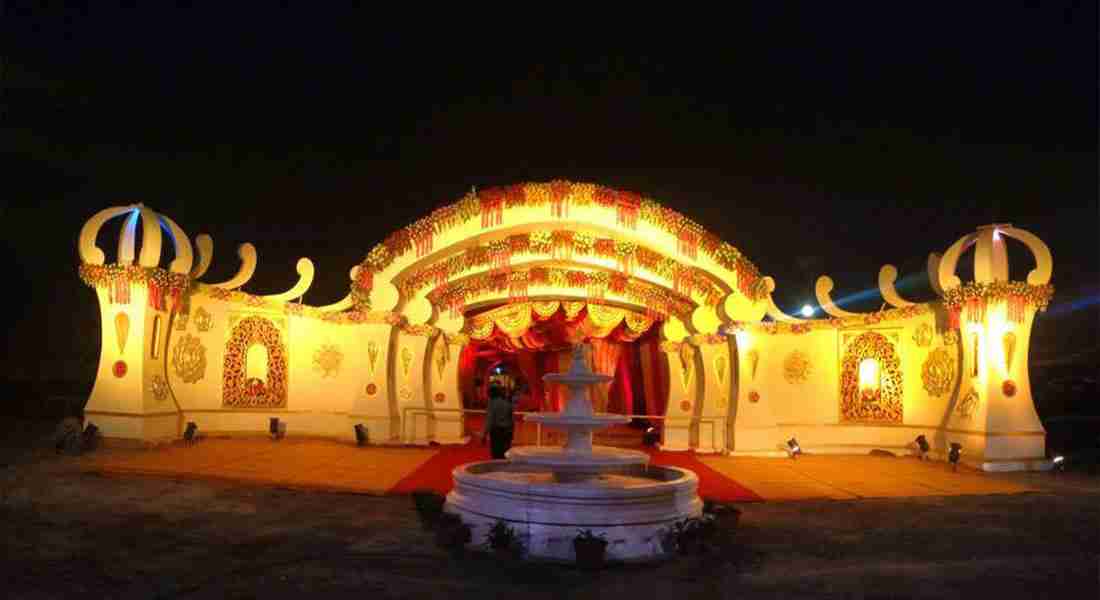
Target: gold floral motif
[(159, 387), (754, 360), (922, 336), (884, 406), (372, 355), (327, 359), (406, 360), (720, 364), (545, 309), (122, 330), (236, 391), (442, 357), (687, 364), (950, 337), (1008, 344), (189, 359), (938, 372), (968, 404), (796, 367), (203, 320), (181, 321)]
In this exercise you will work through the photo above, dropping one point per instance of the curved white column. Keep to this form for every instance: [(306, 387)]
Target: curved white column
[(887, 275), (821, 290), (305, 279), (247, 253)]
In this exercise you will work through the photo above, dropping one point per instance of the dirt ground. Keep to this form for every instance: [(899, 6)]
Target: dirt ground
[(70, 534)]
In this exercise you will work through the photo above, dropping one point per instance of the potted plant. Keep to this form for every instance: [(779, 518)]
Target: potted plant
[(429, 506), (503, 541), (452, 534), (590, 549)]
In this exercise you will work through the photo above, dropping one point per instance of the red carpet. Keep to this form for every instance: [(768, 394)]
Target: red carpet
[(712, 484), (435, 474)]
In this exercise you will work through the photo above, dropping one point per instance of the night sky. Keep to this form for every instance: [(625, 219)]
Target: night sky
[(816, 142)]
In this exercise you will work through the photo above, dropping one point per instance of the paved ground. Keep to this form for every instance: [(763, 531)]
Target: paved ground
[(70, 533), (334, 466)]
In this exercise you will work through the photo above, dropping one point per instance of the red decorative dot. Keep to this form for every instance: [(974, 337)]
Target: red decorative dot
[(754, 396), (1009, 388), (120, 368), (685, 406), (372, 389), (440, 397)]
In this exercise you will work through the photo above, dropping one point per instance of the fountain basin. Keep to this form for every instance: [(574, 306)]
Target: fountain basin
[(601, 459), (632, 506)]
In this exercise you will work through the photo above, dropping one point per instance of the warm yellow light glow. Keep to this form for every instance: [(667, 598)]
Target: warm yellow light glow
[(868, 374), (256, 362), (742, 339)]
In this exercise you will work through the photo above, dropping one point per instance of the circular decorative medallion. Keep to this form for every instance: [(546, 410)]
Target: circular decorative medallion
[(950, 337), (372, 389), (440, 397), (1009, 388), (685, 406), (119, 369), (189, 358), (405, 394), (796, 369), (938, 372), (754, 396)]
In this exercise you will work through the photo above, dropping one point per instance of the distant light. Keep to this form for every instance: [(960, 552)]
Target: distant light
[(807, 311), (1059, 459), (997, 235)]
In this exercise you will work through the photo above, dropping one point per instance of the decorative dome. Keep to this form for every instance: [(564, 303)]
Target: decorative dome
[(150, 253), (991, 258)]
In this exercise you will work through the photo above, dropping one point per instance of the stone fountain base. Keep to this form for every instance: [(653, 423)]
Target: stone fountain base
[(632, 505)]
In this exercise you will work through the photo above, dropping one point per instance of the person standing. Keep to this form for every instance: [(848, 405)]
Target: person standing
[(498, 422)]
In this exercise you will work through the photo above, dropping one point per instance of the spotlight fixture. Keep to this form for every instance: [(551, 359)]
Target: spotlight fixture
[(273, 428), (90, 437), (1059, 463), (650, 437), (361, 435), (189, 432), (793, 449), (923, 446), (954, 454), (282, 430)]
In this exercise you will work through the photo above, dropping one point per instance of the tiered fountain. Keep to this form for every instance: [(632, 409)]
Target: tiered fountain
[(548, 494)]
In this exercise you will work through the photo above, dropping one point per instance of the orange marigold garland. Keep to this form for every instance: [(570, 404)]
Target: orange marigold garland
[(975, 298)]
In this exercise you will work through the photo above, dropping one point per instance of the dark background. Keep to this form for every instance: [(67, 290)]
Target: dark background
[(814, 139)]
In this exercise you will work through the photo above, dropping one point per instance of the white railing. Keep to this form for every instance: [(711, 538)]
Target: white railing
[(410, 413)]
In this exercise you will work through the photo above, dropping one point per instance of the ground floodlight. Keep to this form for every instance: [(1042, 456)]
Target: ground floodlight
[(189, 432), (793, 448), (361, 435), (650, 437), (282, 430), (954, 454), (273, 427), (90, 437), (922, 444), (1059, 463)]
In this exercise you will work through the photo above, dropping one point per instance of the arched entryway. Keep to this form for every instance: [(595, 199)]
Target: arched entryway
[(521, 342)]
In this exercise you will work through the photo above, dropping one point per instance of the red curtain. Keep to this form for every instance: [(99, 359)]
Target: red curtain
[(641, 374)]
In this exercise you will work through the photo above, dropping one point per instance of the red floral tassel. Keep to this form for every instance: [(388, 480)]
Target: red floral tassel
[(176, 293), (517, 291), (1016, 308), (689, 243), (559, 199), (366, 278), (626, 264), (975, 310), (492, 208), (618, 283), (596, 291), (424, 244), (626, 209), (457, 305), (563, 245), (954, 315)]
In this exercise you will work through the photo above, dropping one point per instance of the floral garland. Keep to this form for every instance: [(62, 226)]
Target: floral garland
[(489, 204), (801, 327), (498, 254), (657, 300), (117, 280), (975, 297)]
